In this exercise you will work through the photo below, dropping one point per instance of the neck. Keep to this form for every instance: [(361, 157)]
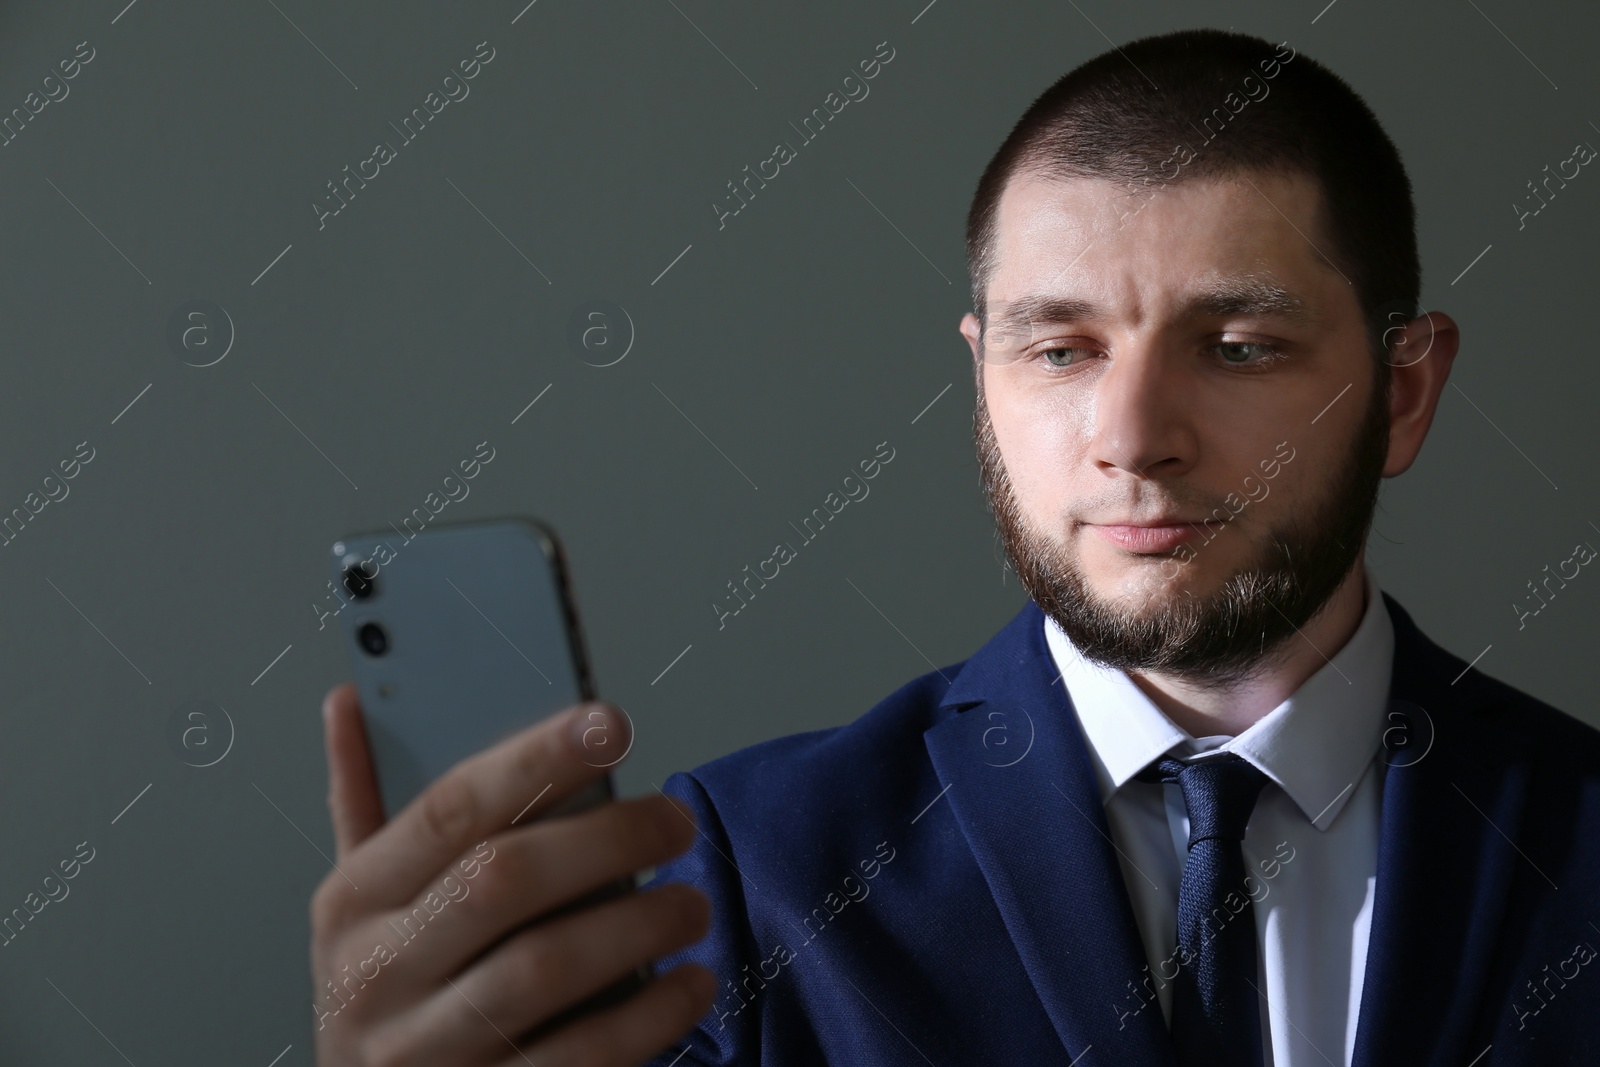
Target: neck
[(1207, 710)]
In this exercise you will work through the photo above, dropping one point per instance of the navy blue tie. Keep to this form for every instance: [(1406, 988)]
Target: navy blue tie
[(1215, 1018)]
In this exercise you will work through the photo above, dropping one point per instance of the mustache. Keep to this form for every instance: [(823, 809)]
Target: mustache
[(1192, 506)]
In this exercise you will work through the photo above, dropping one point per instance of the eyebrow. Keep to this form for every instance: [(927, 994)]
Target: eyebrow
[(1233, 296)]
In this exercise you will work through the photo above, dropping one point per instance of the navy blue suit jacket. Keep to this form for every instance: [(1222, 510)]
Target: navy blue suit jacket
[(935, 882)]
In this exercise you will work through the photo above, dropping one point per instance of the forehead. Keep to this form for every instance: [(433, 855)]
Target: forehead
[(1148, 251)]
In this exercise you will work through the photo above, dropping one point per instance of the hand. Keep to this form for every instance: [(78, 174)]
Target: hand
[(411, 926)]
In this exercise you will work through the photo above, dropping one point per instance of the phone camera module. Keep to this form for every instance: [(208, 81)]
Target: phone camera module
[(374, 639), (357, 582)]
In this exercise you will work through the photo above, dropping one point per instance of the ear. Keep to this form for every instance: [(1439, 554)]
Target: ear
[(1420, 355), (970, 330)]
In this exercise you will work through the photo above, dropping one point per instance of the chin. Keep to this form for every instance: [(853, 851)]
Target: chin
[(1145, 593), (1145, 583)]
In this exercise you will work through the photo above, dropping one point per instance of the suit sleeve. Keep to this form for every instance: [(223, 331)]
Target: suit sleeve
[(727, 1036)]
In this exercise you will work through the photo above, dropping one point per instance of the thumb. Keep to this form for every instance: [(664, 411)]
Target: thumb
[(353, 800)]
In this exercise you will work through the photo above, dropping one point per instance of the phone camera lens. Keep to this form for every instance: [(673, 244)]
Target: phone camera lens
[(374, 639), (356, 581)]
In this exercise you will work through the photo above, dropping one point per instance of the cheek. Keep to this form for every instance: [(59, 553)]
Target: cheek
[(1042, 434), (1264, 504), (1299, 487)]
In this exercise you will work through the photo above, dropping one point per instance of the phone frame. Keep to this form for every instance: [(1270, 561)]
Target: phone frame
[(600, 792)]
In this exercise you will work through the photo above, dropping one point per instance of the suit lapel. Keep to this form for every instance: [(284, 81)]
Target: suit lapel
[(1445, 859), (1022, 789)]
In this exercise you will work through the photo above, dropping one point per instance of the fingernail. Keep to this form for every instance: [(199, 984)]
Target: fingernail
[(587, 717)]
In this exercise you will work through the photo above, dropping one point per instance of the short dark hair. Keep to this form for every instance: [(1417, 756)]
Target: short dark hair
[(1130, 113)]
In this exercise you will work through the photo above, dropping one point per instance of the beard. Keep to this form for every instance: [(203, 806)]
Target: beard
[(1224, 637)]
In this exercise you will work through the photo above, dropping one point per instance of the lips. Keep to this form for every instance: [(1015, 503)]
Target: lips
[(1148, 537)]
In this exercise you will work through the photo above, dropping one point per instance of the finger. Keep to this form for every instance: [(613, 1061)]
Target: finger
[(544, 969), (632, 1032), (517, 779), (354, 803), (536, 869)]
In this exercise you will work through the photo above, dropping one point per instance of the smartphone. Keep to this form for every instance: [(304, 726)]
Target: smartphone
[(461, 634)]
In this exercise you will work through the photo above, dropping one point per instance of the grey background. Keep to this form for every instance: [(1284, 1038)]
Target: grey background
[(818, 323)]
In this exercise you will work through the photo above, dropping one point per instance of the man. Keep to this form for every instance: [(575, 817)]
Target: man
[(1210, 798)]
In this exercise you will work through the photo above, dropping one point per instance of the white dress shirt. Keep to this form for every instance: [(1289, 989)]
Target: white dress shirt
[(1311, 843)]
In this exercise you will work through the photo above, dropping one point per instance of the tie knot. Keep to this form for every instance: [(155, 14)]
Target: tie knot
[(1219, 793)]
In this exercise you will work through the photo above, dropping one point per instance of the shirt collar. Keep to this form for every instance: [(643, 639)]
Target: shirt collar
[(1316, 745)]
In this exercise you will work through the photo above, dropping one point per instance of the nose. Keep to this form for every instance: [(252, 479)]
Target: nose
[(1143, 417)]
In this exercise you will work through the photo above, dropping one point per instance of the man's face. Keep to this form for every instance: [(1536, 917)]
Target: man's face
[(1183, 452)]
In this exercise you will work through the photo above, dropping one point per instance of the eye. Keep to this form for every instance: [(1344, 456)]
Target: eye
[(1063, 356), (1239, 353)]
